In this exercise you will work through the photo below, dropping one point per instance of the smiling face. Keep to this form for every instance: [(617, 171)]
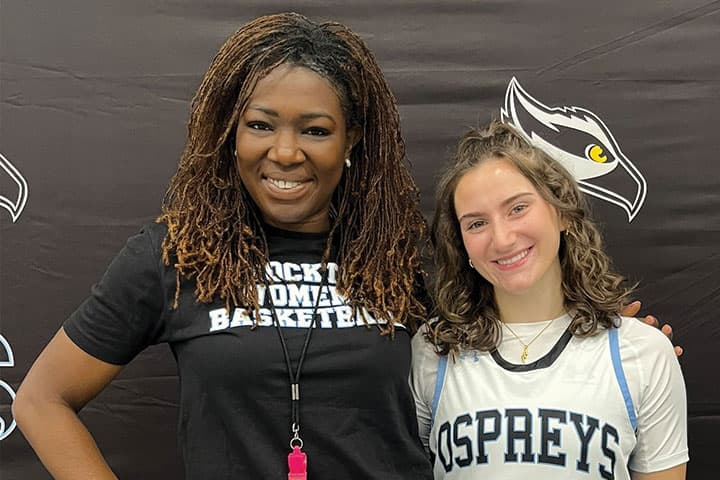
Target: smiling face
[(291, 144), (511, 234)]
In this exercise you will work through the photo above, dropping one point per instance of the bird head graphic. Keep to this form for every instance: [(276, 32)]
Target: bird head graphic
[(7, 394), (13, 200), (582, 143)]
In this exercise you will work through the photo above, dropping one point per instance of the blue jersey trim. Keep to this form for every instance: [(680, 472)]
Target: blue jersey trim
[(439, 381), (620, 375)]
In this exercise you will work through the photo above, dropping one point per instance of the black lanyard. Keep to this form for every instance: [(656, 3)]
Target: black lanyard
[(294, 377)]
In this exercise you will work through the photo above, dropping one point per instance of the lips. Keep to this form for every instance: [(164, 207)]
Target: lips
[(284, 184), (514, 260), (286, 189)]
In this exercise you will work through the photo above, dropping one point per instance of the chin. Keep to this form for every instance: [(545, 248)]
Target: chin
[(294, 220), (285, 214), (514, 291), (284, 223), (516, 288)]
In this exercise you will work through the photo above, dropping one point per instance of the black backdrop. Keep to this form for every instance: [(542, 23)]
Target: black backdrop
[(94, 98)]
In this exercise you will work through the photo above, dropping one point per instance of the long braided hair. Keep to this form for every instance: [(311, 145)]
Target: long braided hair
[(469, 317), (215, 234)]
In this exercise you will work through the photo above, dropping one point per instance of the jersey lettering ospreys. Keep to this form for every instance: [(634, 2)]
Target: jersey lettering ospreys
[(582, 408)]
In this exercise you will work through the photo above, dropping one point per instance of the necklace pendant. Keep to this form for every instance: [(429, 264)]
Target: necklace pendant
[(524, 354), (297, 464)]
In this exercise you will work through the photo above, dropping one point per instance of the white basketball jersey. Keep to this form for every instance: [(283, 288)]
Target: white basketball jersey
[(571, 413)]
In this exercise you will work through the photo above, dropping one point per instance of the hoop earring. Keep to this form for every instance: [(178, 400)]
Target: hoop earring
[(348, 163), (471, 264)]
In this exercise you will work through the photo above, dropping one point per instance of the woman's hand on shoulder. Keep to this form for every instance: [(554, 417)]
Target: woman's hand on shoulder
[(632, 309)]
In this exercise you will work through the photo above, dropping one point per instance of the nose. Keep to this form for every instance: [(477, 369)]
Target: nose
[(503, 236), (285, 149)]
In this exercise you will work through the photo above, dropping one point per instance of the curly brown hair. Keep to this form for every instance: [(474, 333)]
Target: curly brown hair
[(215, 232), (465, 302)]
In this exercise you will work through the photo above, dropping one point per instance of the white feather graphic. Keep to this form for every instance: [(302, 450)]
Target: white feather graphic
[(6, 360), (14, 205), (600, 158)]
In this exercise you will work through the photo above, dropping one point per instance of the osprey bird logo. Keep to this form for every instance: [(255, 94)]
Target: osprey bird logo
[(595, 155), (15, 203), (6, 392)]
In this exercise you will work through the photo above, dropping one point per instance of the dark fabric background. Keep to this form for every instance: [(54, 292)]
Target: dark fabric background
[(94, 98)]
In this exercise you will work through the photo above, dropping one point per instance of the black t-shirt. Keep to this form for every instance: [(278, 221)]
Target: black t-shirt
[(357, 413)]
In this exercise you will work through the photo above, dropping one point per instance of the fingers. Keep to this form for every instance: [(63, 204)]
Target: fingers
[(667, 330), (653, 322), (631, 309)]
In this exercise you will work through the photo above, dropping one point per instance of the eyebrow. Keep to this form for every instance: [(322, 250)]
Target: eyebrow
[(305, 116), (504, 203)]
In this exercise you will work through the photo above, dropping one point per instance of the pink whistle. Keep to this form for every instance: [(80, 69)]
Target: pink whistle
[(297, 463)]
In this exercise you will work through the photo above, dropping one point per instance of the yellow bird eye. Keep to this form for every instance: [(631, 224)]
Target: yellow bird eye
[(596, 153)]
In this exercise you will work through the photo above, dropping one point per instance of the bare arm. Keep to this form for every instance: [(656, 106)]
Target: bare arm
[(674, 473), (62, 380)]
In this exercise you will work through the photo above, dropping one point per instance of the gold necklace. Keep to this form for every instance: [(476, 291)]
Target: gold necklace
[(524, 354)]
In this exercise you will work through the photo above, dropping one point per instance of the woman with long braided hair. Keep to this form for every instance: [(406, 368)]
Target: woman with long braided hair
[(283, 272)]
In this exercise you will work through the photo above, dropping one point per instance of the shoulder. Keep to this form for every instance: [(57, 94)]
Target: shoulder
[(146, 243), (658, 394), (425, 366), (421, 347), (647, 355), (632, 331), (156, 230), (139, 264), (153, 234), (424, 357)]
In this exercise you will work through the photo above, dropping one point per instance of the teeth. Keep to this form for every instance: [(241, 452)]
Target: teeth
[(514, 259), (283, 184)]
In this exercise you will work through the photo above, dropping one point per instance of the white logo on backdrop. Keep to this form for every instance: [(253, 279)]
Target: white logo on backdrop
[(15, 200), (599, 156), (7, 425)]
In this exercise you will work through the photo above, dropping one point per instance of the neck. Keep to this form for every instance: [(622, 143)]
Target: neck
[(541, 302)]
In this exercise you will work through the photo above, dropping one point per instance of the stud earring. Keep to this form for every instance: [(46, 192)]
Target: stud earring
[(348, 163)]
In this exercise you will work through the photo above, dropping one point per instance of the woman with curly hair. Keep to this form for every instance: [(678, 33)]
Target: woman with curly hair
[(530, 370), (282, 272)]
